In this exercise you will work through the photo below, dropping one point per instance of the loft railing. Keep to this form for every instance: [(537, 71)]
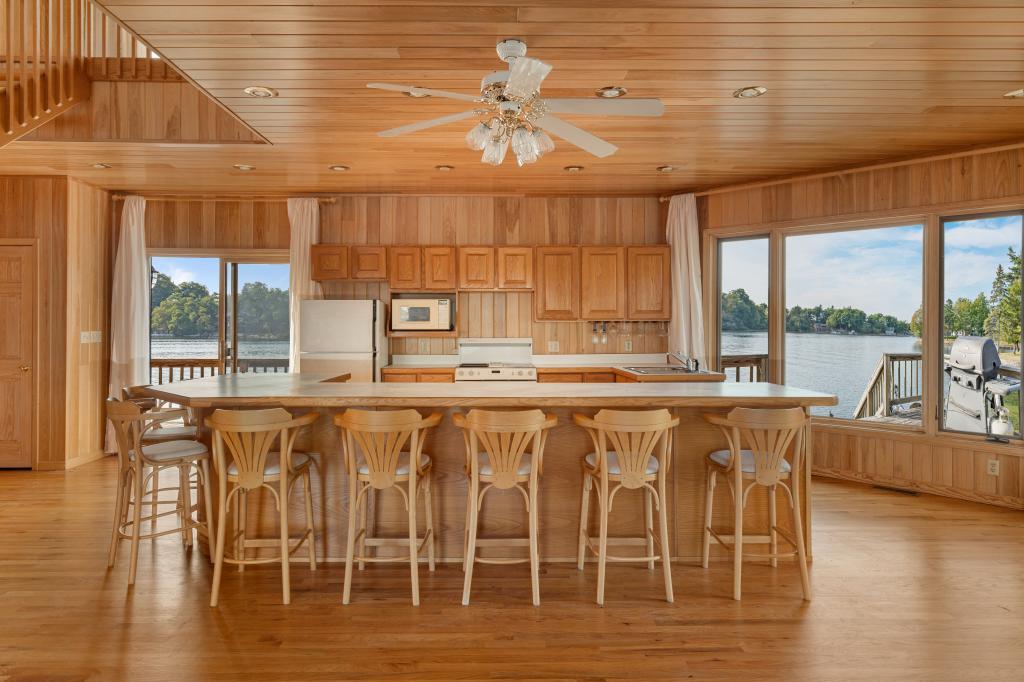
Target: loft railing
[(169, 370), (44, 45), (756, 365)]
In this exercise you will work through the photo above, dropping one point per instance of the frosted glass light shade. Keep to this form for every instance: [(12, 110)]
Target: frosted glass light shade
[(524, 146), (478, 136), (494, 152), (525, 77), (543, 141)]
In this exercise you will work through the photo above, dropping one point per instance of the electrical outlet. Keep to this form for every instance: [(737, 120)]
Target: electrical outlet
[(628, 345), (993, 467), (552, 346)]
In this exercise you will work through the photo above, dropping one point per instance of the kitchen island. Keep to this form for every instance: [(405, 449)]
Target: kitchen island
[(566, 445)]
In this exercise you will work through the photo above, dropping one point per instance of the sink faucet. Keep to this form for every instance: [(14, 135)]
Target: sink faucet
[(688, 363)]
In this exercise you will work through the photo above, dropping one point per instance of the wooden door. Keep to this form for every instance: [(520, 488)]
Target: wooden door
[(439, 268), (649, 272), (17, 344), (476, 267), (603, 282), (405, 268), (558, 283), (515, 267), (369, 262), (330, 261)]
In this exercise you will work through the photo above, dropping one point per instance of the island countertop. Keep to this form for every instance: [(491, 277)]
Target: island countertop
[(319, 390)]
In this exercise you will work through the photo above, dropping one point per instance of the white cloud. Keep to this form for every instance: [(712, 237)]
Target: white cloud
[(983, 234), (181, 275)]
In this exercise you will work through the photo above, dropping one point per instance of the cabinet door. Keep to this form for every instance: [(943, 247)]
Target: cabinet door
[(394, 378), (369, 262), (599, 378), (558, 283), (405, 267), (603, 283), (439, 268), (329, 261), (650, 283), (559, 378), (476, 267), (515, 267)]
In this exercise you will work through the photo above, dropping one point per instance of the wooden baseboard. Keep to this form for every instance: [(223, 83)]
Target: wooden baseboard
[(84, 458), (931, 489)]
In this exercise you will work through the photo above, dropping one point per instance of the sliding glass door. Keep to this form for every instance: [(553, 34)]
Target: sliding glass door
[(257, 322)]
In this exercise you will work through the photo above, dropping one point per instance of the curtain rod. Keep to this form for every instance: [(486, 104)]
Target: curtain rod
[(181, 197)]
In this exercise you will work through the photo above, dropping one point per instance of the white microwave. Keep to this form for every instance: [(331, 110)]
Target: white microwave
[(433, 314)]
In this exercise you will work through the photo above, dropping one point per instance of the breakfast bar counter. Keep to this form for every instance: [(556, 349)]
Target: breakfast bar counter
[(560, 486)]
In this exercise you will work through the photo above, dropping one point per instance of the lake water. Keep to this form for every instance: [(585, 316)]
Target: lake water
[(825, 362)]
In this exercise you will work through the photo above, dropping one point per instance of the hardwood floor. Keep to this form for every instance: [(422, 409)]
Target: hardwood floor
[(905, 587)]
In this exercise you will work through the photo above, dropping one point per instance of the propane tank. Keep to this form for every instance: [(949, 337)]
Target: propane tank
[(1000, 424)]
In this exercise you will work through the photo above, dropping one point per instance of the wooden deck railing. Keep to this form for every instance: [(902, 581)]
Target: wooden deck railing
[(896, 381), (756, 365), (169, 370)]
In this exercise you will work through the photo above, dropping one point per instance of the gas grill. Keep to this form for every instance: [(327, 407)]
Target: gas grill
[(974, 402)]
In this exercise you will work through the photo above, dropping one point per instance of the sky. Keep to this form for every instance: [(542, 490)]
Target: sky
[(207, 271), (876, 270)]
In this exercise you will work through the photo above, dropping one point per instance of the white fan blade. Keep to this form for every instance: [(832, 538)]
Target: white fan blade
[(606, 107), (412, 89), (423, 125), (525, 77), (577, 136)]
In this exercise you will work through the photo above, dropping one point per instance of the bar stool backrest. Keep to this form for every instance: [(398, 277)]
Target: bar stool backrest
[(634, 436), (505, 437), (248, 436), (377, 438), (767, 434), (128, 420)]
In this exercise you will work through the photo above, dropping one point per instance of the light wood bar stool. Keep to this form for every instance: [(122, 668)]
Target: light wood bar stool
[(376, 458), (632, 449), (767, 435), (496, 455), (139, 467), (242, 457)]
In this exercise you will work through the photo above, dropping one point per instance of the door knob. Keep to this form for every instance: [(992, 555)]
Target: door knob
[(24, 368)]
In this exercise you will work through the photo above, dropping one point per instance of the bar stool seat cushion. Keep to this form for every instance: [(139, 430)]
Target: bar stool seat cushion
[(484, 464), (171, 433), (272, 467), (613, 463), (403, 464), (723, 457), (172, 450)]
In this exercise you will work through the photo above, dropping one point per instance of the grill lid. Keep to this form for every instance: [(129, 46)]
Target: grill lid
[(975, 354)]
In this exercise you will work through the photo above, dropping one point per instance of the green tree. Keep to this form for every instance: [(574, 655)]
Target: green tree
[(163, 286), (262, 312), (190, 311), (739, 313)]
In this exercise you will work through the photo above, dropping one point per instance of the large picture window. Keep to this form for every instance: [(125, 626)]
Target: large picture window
[(743, 308)]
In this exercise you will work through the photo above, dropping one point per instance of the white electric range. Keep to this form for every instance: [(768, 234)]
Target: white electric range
[(495, 360)]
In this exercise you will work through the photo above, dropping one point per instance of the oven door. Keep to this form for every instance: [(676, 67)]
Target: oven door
[(412, 314)]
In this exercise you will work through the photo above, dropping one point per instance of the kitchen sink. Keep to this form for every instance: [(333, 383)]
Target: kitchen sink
[(670, 369)]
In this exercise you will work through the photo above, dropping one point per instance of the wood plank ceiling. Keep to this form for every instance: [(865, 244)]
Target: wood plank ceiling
[(849, 82)]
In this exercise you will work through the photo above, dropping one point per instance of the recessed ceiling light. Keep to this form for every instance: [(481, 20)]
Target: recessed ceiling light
[(750, 91), (1015, 94), (244, 167), (339, 168), (666, 169), (573, 169), (415, 92), (260, 91), (611, 92), (101, 166), (445, 168)]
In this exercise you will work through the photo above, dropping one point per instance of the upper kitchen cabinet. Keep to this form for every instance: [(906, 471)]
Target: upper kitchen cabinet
[(405, 269), (515, 267), (476, 267), (603, 283), (369, 262), (329, 261), (649, 273), (439, 271), (557, 294)]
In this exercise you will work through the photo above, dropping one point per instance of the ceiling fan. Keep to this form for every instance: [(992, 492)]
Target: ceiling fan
[(515, 115)]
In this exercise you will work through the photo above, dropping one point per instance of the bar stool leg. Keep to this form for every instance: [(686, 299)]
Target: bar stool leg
[(428, 504), (414, 559), (471, 542), (350, 541), (185, 504), (140, 487), (211, 527), (154, 500), (602, 554), (737, 558), (773, 544), (581, 552), (218, 553), (364, 523), (119, 515), (801, 551), (666, 552), (534, 550), (240, 523), (286, 587), (709, 502), (307, 488), (649, 526), (465, 532)]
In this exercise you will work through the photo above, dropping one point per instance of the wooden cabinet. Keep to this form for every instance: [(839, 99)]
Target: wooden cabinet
[(405, 267), (329, 261), (439, 271), (557, 273), (515, 267), (476, 267), (410, 375), (560, 377), (603, 282), (369, 262), (649, 274), (599, 378)]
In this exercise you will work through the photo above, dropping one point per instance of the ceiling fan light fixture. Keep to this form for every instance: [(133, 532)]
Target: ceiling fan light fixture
[(611, 92), (494, 152), (749, 92), (525, 77), (338, 168), (543, 141), (260, 91), (524, 146), (478, 136), (573, 169)]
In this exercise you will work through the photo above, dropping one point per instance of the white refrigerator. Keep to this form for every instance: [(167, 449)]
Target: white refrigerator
[(343, 336)]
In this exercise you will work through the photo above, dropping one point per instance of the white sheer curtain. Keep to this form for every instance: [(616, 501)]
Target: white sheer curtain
[(129, 306), (686, 330), (304, 217)]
